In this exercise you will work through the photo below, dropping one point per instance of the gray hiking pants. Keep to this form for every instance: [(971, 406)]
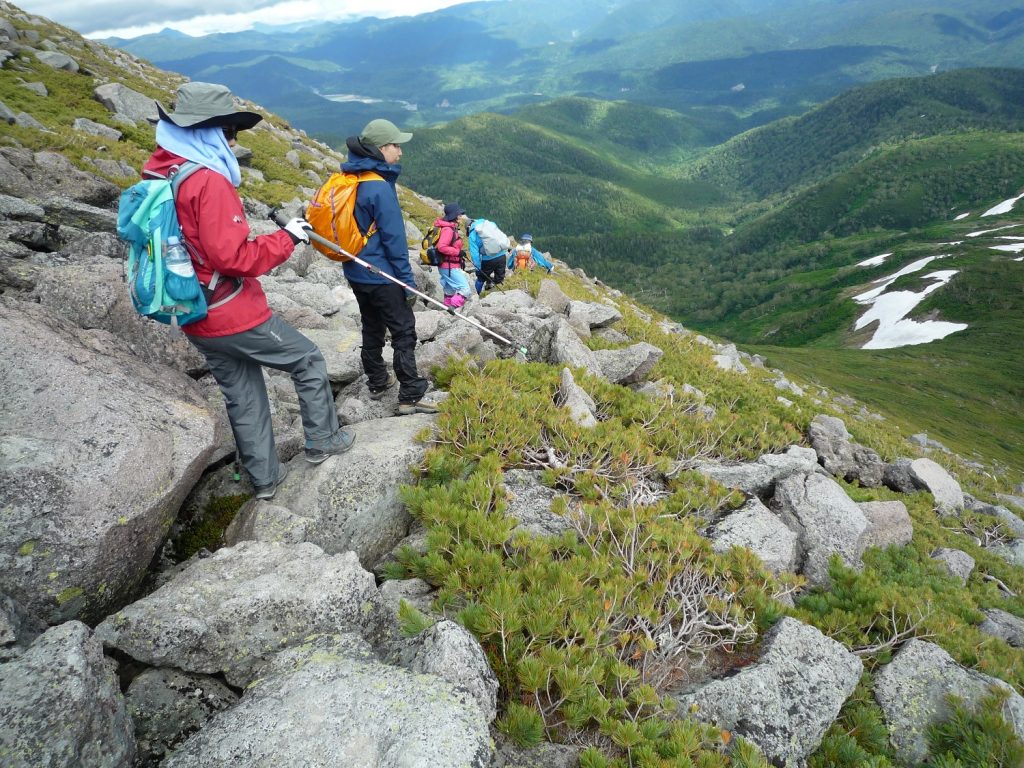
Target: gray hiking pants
[(236, 363)]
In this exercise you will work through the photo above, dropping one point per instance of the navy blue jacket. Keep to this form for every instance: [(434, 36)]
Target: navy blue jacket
[(377, 201)]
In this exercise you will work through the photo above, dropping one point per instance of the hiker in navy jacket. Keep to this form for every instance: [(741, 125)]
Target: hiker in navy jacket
[(384, 306)]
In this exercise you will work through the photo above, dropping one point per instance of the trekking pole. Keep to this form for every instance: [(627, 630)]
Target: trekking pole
[(520, 350)]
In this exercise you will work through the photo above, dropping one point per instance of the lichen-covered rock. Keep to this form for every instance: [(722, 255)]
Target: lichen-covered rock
[(760, 477), (912, 690), (1003, 625), (451, 652), (122, 100), (263, 521), (575, 399), (351, 501), (62, 706), (826, 519), (957, 562), (786, 701), (330, 703), (630, 365), (167, 706), (99, 452), (529, 502), (889, 524), (593, 314), (17, 628), (233, 611), (755, 527), (929, 476), (842, 457), (551, 295)]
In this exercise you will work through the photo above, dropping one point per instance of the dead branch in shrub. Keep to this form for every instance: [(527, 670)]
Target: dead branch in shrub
[(899, 629), (1002, 587), (990, 535)]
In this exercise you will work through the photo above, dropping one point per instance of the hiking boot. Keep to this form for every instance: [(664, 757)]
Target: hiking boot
[(340, 442), (377, 394), (266, 492), (408, 409)]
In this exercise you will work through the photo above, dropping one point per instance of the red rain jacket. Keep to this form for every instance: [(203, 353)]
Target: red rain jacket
[(213, 221)]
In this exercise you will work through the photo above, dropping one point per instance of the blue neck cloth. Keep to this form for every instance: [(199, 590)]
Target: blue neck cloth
[(206, 146)]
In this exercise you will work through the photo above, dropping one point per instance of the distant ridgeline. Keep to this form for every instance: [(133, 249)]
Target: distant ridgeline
[(640, 548)]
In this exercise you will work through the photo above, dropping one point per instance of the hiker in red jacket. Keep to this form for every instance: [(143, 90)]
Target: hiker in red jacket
[(454, 281), (240, 333)]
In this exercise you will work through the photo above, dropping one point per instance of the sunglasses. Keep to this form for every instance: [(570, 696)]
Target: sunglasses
[(230, 132)]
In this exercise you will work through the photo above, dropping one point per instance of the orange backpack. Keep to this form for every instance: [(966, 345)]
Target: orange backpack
[(524, 257), (331, 213)]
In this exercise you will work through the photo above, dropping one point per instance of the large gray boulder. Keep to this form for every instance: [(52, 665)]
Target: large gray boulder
[(760, 477), (1003, 625), (827, 520), (786, 701), (122, 100), (167, 706), (258, 520), (550, 295), (958, 563), (93, 295), (352, 501), (557, 343), (449, 651), (57, 60), (842, 457), (230, 613), (889, 524), (931, 477), (755, 527), (912, 690), (62, 706), (592, 314), (330, 703), (630, 365), (97, 454), (576, 400), (511, 300), (63, 179)]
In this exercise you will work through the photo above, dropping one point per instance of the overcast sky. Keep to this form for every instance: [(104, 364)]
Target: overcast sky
[(130, 18)]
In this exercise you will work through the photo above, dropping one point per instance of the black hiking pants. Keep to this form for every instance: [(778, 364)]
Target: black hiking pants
[(382, 308), (491, 271)]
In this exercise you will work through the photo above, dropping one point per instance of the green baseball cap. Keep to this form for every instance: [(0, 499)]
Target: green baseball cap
[(380, 132)]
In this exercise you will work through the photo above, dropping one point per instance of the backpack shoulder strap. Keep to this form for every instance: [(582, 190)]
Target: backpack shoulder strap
[(177, 177)]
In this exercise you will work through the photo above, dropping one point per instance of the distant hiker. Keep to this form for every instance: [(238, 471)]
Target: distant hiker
[(524, 255), (384, 306), (488, 250), (452, 264), (240, 333)]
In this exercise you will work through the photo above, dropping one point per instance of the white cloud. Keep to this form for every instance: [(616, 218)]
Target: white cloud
[(130, 18)]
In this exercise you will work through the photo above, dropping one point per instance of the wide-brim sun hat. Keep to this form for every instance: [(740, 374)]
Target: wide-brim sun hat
[(207, 105), (452, 211), (380, 132)]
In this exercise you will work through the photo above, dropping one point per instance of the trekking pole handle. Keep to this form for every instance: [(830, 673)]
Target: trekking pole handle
[(377, 271)]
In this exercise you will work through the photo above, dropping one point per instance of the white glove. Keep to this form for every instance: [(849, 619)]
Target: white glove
[(297, 228)]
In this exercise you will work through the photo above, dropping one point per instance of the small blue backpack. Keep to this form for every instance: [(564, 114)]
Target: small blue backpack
[(147, 221)]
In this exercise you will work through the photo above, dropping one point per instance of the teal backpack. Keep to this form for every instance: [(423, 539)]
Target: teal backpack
[(148, 223)]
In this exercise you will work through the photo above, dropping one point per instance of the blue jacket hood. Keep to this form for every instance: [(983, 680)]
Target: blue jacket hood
[(357, 164)]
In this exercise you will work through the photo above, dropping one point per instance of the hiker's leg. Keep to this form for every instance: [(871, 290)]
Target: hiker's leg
[(374, 330), (245, 395), (498, 272), (277, 345), (401, 322)]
